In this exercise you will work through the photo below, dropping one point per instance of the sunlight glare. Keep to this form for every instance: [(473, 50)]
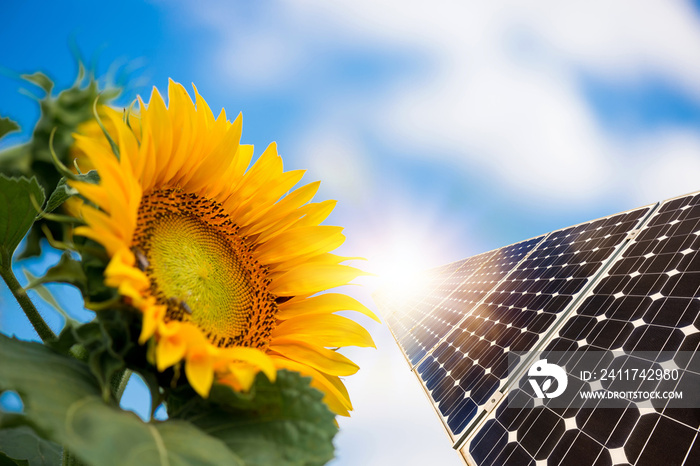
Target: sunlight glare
[(401, 269)]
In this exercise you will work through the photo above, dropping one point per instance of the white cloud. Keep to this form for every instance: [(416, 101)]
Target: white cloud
[(666, 166), (336, 157), (501, 96)]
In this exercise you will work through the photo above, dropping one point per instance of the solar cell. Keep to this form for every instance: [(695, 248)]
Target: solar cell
[(645, 309), (439, 319), (401, 315), (471, 363)]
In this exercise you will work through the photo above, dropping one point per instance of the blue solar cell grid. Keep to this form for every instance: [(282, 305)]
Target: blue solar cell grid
[(648, 302), (439, 320), (470, 364)]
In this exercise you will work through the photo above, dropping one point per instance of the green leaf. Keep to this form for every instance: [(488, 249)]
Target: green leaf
[(284, 423), (47, 296), (7, 461), (61, 194), (63, 191), (40, 79), (62, 403), (7, 126), (22, 443), (68, 270), (17, 212)]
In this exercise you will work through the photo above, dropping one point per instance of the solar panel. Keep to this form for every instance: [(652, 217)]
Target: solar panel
[(486, 273), (471, 363), (437, 283), (643, 312), (420, 340), (624, 289)]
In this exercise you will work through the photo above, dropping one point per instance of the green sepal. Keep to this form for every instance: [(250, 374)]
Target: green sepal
[(107, 341), (17, 212), (63, 191), (94, 260), (39, 79), (62, 403), (7, 126), (102, 343)]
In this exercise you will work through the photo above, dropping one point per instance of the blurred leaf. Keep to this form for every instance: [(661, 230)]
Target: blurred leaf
[(40, 79), (7, 126), (22, 443), (284, 423), (7, 461), (62, 402), (17, 212), (104, 362), (68, 270)]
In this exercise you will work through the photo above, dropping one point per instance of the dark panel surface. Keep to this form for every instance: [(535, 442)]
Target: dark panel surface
[(398, 307), (648, 301), (471, 363), (413, 346), (439, 319)]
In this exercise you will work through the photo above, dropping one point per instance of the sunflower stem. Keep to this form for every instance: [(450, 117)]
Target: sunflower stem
[(44, 331)]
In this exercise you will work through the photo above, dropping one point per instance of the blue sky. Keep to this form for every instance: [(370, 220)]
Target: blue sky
[(444, 129)]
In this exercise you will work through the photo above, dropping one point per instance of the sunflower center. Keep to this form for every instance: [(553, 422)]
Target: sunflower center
[(202, 270), (196, 267)]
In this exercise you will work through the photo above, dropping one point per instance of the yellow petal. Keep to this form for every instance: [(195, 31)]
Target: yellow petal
[(111, 242), (268, 166), (323, 304), (157, 117), (94, 193), (300, 241), (240, 376), (99, 220), (282, 209), (252, 356), (152, 315), (312, 278), (218, 160), (268, 193), (324, 330), (322, 359), (169, 351), (121, 268), (200, 372), (336, 399), (317, 213), (181, 110)]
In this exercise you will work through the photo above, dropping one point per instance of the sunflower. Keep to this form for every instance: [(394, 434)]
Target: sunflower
[(227, 271)]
